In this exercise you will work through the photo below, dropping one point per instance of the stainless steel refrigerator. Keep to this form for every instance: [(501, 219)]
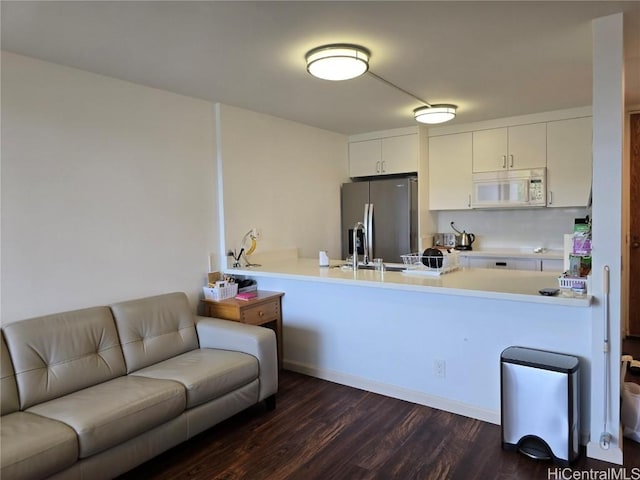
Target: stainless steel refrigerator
[(389, 210)]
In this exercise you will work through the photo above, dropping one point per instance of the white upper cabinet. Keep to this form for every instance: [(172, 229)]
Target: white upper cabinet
[(384, 156), (518, 147), (400, 154), (450, 171), (569, 162), (365, 158)]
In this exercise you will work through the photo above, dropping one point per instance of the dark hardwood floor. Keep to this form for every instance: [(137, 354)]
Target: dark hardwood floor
[(322, 430)]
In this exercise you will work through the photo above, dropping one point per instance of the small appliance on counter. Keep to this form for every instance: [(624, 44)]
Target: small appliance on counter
[(464, 240), (444, 240)]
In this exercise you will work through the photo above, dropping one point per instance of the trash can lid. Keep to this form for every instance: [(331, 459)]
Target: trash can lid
[(531, 357)]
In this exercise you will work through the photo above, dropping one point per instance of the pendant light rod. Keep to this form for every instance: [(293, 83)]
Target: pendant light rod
[(343, 61), (387, 82)]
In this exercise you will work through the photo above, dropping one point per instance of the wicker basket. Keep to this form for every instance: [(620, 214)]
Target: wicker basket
[(570, 283), (220, 293)]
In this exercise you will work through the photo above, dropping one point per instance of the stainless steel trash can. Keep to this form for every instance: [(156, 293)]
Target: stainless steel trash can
[(540, 404)]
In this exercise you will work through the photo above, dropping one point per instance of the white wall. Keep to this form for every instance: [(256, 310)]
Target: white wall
[(513, 228), (387, 341), (608, 111), (108, 190), (283, 178)]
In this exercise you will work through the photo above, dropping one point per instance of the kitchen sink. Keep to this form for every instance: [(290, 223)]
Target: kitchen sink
[(388, 267)]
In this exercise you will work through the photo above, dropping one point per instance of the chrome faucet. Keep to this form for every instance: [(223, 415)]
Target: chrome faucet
[(365, 257)]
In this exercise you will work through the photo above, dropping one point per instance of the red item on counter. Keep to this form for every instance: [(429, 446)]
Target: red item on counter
[(246, 295)]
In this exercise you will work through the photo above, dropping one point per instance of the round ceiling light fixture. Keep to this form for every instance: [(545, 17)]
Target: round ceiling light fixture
[(440, 113), (338, 61)]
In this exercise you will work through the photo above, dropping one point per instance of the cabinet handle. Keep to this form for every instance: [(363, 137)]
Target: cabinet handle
[(378, 166), (511, 159), (550, 197), (383, 162), (501, 264), (504, 161), (469, 200)]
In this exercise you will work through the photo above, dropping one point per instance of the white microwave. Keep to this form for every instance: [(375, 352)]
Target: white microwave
[(510, 189)]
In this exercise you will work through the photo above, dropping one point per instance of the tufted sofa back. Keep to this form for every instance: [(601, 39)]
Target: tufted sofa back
[(62, 353), (154, 329), (8, 390)]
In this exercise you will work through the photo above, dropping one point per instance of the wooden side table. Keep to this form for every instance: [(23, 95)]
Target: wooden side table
[(264, 310)]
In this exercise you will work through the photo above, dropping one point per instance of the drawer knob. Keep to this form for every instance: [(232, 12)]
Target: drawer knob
[(261, 313)]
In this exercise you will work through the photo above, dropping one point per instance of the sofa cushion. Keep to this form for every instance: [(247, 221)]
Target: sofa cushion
[(153, 329), (206, 374), (9, 401), (35, 447), (115, 411), (61, 353)]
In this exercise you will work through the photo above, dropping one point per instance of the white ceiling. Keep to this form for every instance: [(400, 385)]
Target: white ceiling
[(492, 59)]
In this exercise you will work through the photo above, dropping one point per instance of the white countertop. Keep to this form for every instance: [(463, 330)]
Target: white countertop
[(512, 285)]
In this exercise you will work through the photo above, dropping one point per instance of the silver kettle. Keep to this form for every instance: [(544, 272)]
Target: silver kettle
[(464, 240)]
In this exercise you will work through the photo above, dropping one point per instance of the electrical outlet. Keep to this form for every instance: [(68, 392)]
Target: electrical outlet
[(440, 368)]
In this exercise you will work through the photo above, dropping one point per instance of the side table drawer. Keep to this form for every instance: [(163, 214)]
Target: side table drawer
[(262, 313)]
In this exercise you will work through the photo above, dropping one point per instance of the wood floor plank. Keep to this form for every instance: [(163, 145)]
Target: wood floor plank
[(370, 441), (325, 431)]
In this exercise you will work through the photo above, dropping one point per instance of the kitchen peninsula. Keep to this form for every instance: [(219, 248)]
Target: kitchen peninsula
[(435, 341)]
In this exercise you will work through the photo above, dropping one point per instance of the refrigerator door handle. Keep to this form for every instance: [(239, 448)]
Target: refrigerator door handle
[(364, 222), (369, 226)]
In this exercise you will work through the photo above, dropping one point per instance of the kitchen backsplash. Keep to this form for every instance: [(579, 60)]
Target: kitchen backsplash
[(517, 228)]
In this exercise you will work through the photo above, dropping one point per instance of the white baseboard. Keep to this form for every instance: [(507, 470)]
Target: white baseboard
[(394, 391), (613, 455)]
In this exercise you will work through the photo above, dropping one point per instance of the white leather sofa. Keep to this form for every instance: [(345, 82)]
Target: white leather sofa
[(92, 393)]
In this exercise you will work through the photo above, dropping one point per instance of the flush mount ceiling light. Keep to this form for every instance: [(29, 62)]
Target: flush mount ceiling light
[(338, 62), (435, 113), (342, 61)]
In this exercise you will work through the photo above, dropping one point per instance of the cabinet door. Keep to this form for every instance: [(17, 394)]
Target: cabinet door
[(519, 147), (505, 263), (523, 264), (569, 162), (450, 163), (490, 150), (400, 154), (365, 158), (527, 146), (479, 262), (552, 265)]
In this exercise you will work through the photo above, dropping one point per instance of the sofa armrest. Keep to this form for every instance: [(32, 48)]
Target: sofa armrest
[(253, 340)]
